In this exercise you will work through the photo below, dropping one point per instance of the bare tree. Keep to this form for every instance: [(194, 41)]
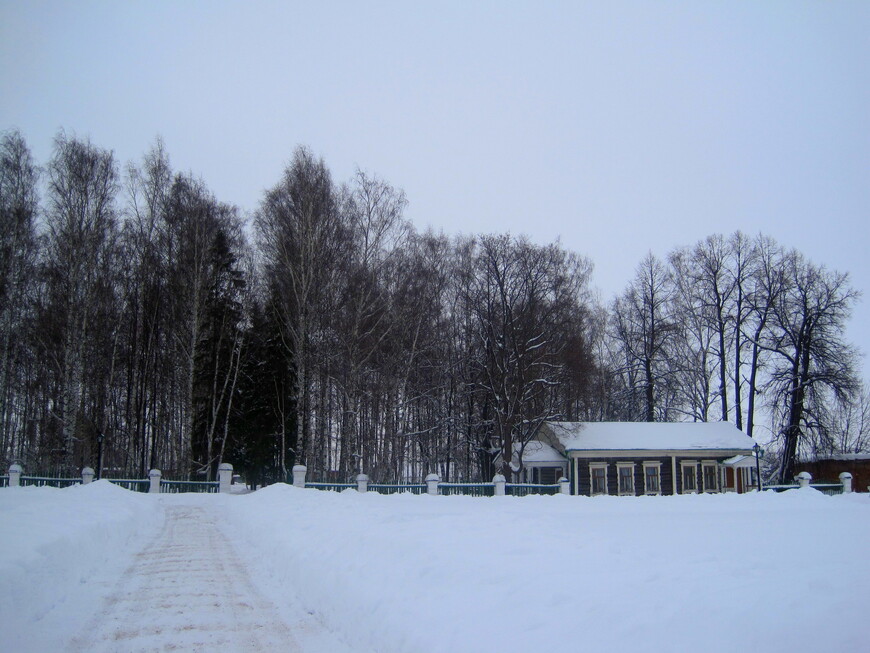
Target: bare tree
[(715, 287), (812, 359), (154, 384), (644, 326), (848, 427), (523, 304), (743, 258), (766, 284), (18, 251), (301, 236), (691, 350), (82, 232), (372, 211)]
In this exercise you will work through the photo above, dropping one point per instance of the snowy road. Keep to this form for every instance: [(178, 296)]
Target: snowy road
[(187, 590)]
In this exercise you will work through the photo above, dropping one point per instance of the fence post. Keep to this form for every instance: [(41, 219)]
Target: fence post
[(362, 483), (564, 485), (846, 480), (154, 476), (87, 475), (299, 475), (225, 477), (432, 482), (15, 472), (499, 482), (804, 479)]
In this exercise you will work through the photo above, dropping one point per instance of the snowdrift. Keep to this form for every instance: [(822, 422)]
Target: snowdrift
[(402, 574), (55, 543), (456, 574)]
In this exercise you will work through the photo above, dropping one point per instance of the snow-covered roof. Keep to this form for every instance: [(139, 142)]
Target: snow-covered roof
[(846, 456), (539, 452), (645, 436), (740, 461)]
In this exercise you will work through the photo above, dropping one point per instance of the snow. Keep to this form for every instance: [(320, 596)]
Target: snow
[(355, 572), (740, 461), (58, 547), (644, 436), (539, 452)]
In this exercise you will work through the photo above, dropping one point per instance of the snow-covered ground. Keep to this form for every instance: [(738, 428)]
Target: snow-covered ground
[(100, 568)]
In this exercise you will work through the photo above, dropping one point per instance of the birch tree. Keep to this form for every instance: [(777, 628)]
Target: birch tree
[(301, 237), (644, 327), (18, 251), (82, 230)]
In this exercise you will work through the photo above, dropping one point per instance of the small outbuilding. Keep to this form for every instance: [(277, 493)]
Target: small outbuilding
[(827, 469), (541, 463), (638, 458)]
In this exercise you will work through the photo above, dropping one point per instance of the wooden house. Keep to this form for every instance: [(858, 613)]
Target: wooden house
[(638, 458)]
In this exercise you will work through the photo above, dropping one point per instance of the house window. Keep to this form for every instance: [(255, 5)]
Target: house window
[(625, 472), (550, 475), (690, 477), (598, 477), (652, 478), (710, 476)]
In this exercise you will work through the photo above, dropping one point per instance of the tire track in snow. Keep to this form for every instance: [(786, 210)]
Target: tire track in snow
[(186, 591)]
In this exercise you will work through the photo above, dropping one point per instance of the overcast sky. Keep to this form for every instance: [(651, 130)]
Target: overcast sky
[(618, 127)]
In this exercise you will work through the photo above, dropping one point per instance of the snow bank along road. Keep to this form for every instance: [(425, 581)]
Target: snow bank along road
[(95, 569), (282, 569)]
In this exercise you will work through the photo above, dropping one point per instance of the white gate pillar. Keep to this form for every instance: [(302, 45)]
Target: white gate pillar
[(87, 475), (362, 483), (499, 482), (846, 480), (15, 472), (432, 482), (225, 477), (804, 479), (299, 475), (154, 476), (564, 486)]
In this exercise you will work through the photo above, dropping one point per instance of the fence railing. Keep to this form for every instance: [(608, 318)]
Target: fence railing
[(175, 487), (397, 488), (4, 481), (48, 481), (333, 487), (525, 489), (804, 479), (434, 487), (132, 484), (831, 489), (467, 489)]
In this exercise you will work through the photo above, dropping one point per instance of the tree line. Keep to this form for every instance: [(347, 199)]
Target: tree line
[(146, 324)]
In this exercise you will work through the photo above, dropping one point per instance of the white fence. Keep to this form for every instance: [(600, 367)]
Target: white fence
[(154, 484), (804, 479), (432, 485)]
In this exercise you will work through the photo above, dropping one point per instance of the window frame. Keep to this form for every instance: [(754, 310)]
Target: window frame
[(619, 467), (592, 468), (685, 465), (657, 465), (705, 465)]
